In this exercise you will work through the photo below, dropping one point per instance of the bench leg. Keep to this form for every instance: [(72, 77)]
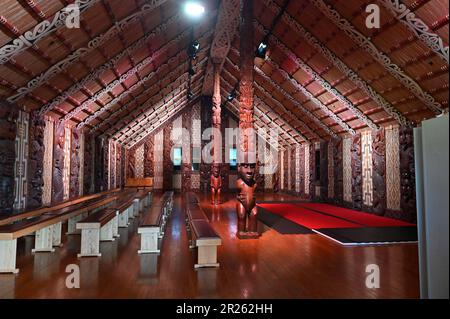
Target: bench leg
[(149, 241), (43, 241), (107, 232), (116, 226), (207, 257), (123, 219), (56, 235), (8, 252), (136, 207), (72, 225), (90, 243)]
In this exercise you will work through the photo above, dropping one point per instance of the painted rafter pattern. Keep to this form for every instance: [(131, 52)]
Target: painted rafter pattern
[(339, 64), (262, 109), (267, 109), (111, 64), (269, 96), (324, 83), (349, 29), (403, 14), (95, 43), (129, 92), (142, 109), (151, 126), (153, 112), (41, 30), (125, 76), (289, 97)]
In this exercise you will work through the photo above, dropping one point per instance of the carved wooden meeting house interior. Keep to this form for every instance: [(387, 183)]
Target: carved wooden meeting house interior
[(224, 148)]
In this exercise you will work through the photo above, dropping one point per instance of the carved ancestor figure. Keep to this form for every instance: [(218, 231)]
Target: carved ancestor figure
[(216, 184), (246, 203)]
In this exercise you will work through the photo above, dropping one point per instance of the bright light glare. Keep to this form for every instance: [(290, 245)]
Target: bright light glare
[(194, 9)]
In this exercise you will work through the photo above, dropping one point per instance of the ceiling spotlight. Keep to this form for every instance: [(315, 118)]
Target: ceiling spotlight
[(262, 50), (193, 49), (190, 95), (194, 9), (191, 71), (232, 96)]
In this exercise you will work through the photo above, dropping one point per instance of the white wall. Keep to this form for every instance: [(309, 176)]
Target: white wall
[(432, 179)]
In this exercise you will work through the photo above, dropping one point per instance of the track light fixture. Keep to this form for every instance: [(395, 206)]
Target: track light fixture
[(261, 51), (194, 9), (190, 95), (191, 71), (231, 96), (193, 49)]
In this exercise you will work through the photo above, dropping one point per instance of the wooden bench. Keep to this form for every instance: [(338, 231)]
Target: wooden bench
[(139, 182), (206, 240), (142, 200), (6, 219), (99, 226), (47, 227), (200, 233), (154, 223), (125, 209)]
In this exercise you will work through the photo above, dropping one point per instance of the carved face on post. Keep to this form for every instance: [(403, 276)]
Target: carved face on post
[(215, 170), (247, 172)]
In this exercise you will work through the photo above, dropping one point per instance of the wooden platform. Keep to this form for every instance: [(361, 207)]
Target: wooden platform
[(274, 266)]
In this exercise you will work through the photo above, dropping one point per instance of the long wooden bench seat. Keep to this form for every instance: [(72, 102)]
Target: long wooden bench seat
[(47, 227), (99, 226), (142, 200), (125, 209), (153, 225), (6, 219), (206, 240)]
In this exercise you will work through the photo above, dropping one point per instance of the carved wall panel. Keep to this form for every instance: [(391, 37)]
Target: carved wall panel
[(21, 162), (407, 173), (36, 161), (297, 169), (281, 170), (393, 168), (81, 165), (347, 169), (58, 163), (8, 130), (123, 161), (139, 162), (268, 177), (307, 168), (148, 156), (75, 151), (105, 165), (330, 191), (339, 171), (131, 160), (119, 175), (323, 170), (89, 161), (379, 171), (167, 164), (112, 164), (67, 160), (47, 174), (186, 170), (302, 170), (367, 181), (196, 125), (356, 172), (289, 168), (158, 160)]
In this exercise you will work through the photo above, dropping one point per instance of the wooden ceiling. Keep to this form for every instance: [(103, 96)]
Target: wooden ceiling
[(125, 70)]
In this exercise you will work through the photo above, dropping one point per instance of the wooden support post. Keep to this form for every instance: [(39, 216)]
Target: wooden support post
[(90, 242), (56, 235), (207, 253)]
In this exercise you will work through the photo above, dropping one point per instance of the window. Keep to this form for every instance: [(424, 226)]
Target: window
[(196, 158), (177, 158), (233, 158)]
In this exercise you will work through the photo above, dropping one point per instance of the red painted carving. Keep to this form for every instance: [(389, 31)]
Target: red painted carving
[(246, 205), (36, 161), (379, 171)]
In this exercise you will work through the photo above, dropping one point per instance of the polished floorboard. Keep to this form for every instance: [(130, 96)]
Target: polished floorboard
[(274, 266)]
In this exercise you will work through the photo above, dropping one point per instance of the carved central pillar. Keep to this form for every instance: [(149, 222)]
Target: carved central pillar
[(246, 183), (216, 179)]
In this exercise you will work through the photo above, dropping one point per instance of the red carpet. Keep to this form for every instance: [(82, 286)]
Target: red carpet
[(365, 219), (306, 217)]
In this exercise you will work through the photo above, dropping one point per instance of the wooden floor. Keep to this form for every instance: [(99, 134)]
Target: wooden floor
[(274, 266)]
